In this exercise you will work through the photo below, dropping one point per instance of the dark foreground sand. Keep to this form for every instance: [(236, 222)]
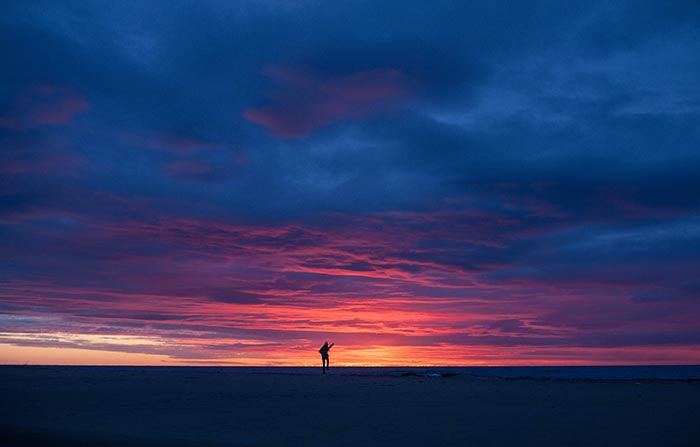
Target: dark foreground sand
[(102, 407)]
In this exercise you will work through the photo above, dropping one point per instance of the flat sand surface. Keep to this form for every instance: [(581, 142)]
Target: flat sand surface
[(150, 406)]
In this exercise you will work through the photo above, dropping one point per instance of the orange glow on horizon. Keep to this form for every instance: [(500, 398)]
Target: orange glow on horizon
[(444, 355), (36, 355)]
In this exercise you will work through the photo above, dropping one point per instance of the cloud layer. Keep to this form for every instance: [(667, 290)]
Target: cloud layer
[(453, 184)]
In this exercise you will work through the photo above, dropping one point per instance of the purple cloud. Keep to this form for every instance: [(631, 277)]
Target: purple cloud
[(42, 105), (303, 102)]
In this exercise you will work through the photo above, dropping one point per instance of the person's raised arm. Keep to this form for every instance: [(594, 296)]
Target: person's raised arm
[(331, 345)]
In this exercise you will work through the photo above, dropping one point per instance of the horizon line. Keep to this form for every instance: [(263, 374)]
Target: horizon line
[(348, 366)]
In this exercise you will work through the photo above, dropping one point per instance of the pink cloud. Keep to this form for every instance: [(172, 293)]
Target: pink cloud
[(42, 105), (303, 102), (169, 142), (224, 292), (188, 168), (24, 157), (68, 165)]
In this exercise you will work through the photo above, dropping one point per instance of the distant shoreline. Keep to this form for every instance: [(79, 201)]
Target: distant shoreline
[(597, 372)]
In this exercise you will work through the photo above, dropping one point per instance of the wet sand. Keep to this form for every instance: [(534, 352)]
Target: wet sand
[(151, 406)]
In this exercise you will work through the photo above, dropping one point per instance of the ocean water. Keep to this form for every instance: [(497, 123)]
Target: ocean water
[(665, 372)]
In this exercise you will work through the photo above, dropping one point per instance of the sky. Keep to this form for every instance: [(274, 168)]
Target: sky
[(421, 183)]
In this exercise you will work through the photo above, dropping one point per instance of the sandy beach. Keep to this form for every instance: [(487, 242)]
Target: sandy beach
[(183, 407)]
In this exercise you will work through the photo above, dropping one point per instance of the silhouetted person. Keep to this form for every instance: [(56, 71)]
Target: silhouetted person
[(324, 355)]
